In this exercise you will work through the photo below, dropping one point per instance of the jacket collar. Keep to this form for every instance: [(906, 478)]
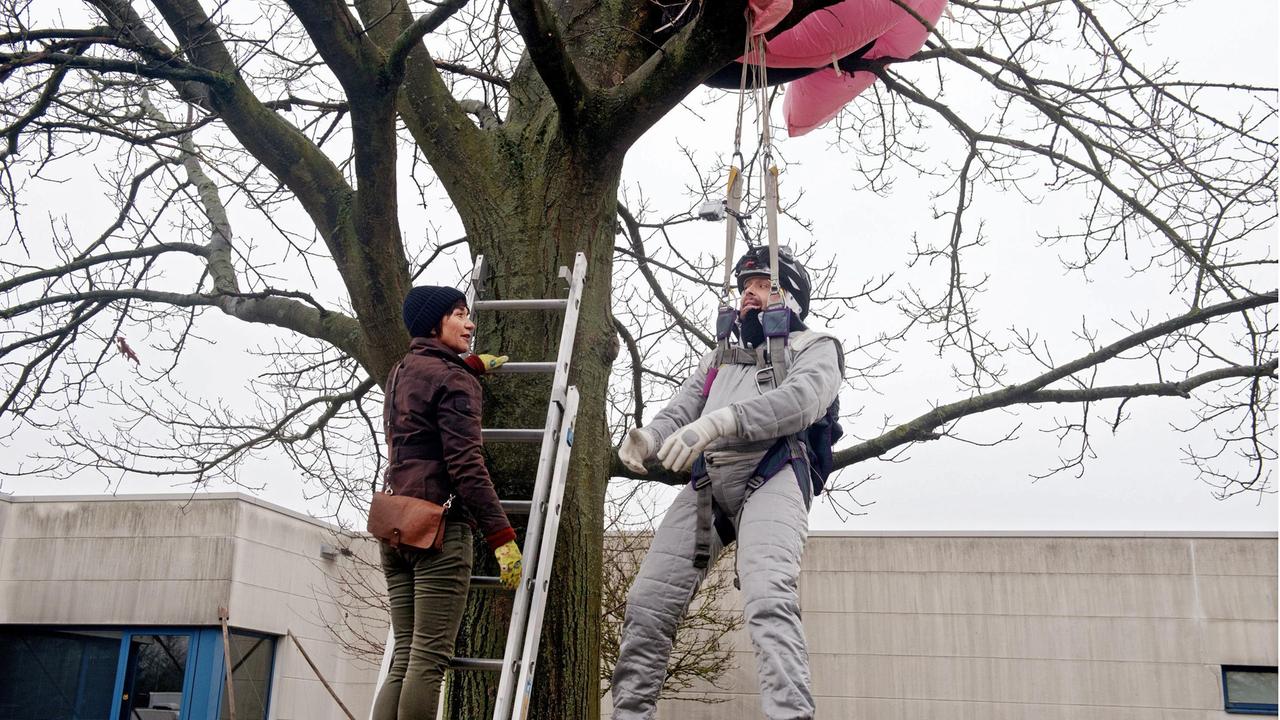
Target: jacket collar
[(432, 347)]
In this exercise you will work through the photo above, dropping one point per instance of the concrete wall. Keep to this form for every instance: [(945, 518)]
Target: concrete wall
[(173, 560), (900, 627), (997, 628)]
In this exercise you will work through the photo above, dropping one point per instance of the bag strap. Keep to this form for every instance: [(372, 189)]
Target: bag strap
[(392, 452)]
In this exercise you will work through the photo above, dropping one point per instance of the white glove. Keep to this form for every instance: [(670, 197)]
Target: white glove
[(636, 448), (687, 443)]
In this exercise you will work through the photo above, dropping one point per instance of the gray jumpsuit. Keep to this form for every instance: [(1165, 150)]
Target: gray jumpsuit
[(772, 525)]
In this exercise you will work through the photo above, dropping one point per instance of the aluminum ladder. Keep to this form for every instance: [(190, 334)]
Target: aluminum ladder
[(519, 661)]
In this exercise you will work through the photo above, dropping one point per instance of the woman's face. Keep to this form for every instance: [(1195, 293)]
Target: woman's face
[(456, 328)]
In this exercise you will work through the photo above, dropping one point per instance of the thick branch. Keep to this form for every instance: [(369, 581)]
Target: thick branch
[(347, 50), (923, 427), (267, 307), (460, 154), (711, 41), (92, 260), (151, 69), (541, 32), (1180, 389)]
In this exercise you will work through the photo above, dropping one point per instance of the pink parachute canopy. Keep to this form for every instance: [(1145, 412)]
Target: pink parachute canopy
[(829, 34)]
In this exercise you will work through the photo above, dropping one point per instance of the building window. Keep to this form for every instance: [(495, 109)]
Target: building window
[(59, 675), (1249, 690), (155, 676), (69, 673), (251, 659)]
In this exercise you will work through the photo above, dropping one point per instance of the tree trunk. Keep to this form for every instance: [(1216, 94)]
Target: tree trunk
[(556, 202)]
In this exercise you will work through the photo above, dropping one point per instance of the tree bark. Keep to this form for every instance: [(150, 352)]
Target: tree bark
[(557, 201)]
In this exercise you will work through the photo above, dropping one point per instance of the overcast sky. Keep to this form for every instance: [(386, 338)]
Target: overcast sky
[(1138, 481)]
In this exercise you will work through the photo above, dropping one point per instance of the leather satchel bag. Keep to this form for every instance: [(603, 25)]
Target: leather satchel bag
[(400, 519), (409, 521)]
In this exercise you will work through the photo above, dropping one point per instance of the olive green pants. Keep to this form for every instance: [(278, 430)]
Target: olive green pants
[(428, 591)]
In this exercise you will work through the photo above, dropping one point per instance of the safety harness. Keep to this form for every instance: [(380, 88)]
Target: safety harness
[(787, 450)]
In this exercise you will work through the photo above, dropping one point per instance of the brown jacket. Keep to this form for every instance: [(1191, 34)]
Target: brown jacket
[(434, 438)]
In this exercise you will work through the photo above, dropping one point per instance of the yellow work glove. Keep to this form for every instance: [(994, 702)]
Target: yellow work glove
[(509, 564), (482, 363)]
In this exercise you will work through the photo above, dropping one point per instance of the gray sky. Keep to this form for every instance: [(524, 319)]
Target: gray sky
[(1138, 481)]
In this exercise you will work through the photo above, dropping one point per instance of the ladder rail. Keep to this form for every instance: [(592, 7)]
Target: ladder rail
[(551, 444), (577, 281), (546, 555)]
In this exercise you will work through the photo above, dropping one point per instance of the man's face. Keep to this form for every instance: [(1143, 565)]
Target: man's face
[(755, 295)]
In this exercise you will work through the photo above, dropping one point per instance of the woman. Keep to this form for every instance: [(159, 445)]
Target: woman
[(432, 416)]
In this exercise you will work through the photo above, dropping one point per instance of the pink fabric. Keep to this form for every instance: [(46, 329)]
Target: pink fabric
[(815, 99), (767, 13), (832, 33)]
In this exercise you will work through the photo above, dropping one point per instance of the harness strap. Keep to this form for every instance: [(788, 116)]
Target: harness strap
[(702, 537)]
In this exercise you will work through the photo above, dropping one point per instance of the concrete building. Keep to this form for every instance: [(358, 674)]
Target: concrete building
[(109, 608), (1098, 626)]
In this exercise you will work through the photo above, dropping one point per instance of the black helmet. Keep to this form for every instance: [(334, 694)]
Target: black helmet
[(791, 274)]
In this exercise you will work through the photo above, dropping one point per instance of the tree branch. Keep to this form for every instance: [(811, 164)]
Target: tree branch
[(347, 50), (637, 247), (923, 427), (92, 260), (713, 39), (269, 307), (460, 154), (541, 32), (160, 70), (413, 35), (1181, 388), (286, 152), (42, 103)]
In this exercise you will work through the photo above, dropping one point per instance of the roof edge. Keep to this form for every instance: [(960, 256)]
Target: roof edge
[(180, 497)]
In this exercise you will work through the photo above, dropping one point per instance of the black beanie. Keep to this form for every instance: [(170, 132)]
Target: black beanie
[(426, 306)]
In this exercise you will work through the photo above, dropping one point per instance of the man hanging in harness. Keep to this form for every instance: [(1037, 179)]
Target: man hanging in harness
[(750, 422)]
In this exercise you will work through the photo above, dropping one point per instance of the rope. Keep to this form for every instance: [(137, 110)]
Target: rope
[(757, 71), (769, 174), (734, 191)]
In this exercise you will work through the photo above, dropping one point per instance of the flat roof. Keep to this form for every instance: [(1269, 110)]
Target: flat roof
[(171, 497), (242, 497)]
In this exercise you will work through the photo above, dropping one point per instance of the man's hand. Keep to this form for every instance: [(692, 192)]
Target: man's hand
[(687, 443), (636, 448), (481, 363), (508, 564)]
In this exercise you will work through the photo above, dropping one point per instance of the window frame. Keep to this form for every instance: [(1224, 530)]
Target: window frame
[(223, 652), (204, 675), (1246, 708)]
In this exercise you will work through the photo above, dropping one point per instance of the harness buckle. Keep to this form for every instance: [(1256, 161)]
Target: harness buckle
[(761, 387)]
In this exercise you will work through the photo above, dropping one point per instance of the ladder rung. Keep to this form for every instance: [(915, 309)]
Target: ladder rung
[(486, 664), (486, 582), (534, 304), (517, 507), (512, 434), (526, 367)]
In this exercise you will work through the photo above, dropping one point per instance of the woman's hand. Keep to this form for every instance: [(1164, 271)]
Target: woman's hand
[(509, 564), (482, 363)]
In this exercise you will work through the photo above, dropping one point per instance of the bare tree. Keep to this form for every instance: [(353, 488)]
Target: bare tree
[(256, 158)]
